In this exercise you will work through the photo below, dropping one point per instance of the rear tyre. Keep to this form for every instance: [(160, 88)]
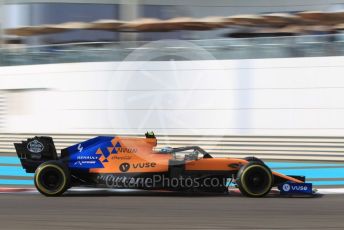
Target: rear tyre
[(52, 178), (254, 179)]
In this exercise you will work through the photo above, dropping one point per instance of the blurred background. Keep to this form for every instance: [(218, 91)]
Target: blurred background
[(307, 28), (231, 69)]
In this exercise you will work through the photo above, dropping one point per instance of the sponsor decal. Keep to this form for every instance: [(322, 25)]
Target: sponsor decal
[(124, 167), (87, 159), (126, 150), (86, 156), (117, 148), (296, 188), (77, 163), (286, 187), (121, 158), (80, 148), (144, 165), (35, 146)]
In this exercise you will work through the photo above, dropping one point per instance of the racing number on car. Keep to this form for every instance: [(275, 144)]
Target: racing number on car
[(124, 167)]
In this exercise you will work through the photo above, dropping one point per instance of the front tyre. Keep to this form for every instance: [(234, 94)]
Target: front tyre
[(254, 179), (52, 178), (254, 159)]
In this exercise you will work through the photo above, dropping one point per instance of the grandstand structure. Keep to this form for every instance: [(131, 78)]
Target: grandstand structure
[(23, 13)]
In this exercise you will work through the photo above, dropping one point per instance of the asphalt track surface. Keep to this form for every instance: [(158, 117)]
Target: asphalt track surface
[(152, 210)]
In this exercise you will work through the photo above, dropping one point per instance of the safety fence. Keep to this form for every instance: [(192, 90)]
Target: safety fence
[(330, 148), (219, 49)]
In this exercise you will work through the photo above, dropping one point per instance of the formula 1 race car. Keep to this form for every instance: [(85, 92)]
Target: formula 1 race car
[(130, 162)]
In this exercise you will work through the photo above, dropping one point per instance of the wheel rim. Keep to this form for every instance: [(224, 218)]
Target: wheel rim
[(50, 179), (257, 180)]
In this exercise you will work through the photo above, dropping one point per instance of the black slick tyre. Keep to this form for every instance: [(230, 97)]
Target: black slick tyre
[(254, 179), (254, 159), (52, 178)]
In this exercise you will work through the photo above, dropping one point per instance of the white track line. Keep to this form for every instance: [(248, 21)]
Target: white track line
[(330, 191)]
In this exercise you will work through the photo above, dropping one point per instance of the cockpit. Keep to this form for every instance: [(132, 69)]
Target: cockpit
[(186, 153)]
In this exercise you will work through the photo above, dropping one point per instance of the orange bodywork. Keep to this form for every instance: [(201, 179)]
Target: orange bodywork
[(137, 155), (138, 152), (214, 164), (286, 178)]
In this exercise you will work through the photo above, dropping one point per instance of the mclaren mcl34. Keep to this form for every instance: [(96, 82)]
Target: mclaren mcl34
[(130, 162)]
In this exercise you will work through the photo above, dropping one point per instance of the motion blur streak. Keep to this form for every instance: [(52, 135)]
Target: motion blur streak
[(320, 174), (172, 211)]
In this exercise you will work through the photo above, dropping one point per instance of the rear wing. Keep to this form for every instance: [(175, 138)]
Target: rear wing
[(35, 151)]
